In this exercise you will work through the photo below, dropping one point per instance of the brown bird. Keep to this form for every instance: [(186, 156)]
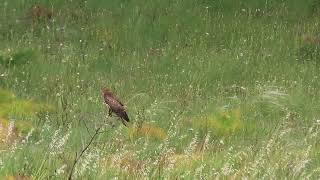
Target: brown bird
[(40, 13), (115, 105)]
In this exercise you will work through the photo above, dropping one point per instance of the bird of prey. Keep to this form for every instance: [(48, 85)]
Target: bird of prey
[(115, 106)]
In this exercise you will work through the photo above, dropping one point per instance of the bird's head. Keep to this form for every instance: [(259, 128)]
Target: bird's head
[(106, 91)]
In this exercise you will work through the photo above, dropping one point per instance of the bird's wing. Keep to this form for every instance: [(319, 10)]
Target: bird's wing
[(114, 97), (118, 101), (118, 108), (113, 103)]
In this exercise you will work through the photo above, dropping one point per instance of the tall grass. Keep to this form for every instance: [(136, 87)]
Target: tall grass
[(213, 89)]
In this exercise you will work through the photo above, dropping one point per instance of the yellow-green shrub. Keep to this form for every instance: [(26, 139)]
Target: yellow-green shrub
[(146, 130), (221, 123)]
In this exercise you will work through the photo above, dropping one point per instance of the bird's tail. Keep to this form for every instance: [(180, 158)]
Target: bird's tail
[(126, 117), (124, 122)]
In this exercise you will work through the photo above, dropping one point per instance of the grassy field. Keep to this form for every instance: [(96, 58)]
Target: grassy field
[(220, 89)]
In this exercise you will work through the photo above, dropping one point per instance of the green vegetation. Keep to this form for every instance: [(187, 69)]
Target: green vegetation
[(214, 89)]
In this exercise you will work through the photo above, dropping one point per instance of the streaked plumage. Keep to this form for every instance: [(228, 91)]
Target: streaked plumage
[(115, 105)]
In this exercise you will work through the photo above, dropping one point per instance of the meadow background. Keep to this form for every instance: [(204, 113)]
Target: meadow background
[(213, 88)]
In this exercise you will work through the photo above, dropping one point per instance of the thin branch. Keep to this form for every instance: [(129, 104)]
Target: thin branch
[(78, 156), (85, 124)]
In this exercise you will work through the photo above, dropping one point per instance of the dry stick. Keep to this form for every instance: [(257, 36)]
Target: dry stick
[(78, 156), (86, 127)]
